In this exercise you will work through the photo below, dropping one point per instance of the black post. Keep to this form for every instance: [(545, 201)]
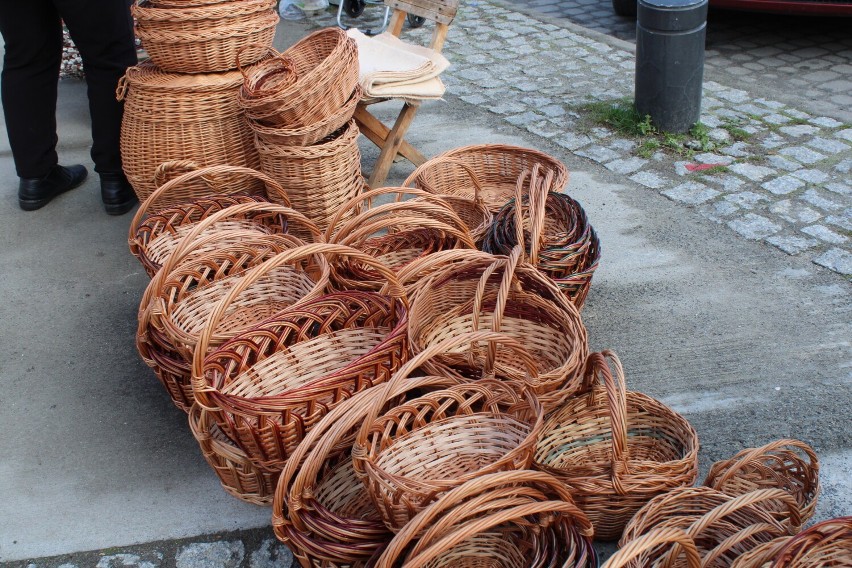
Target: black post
[(670, 61)]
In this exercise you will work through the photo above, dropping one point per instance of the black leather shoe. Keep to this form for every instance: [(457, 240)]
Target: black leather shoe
[(35, 193), (117, 193)]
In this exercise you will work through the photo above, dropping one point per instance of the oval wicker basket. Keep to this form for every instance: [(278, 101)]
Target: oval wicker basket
[(272, 383), (189, 117), (326, 64), (206, 38), (553, 230), (501, 520), (263, 82), (825, 545), (497, 168), (616, 449), (239, 477), (169, 213), (791, 465), (320, 178), (171, 365), (721, 526), (412, 453), (321, 509), (505, 295)]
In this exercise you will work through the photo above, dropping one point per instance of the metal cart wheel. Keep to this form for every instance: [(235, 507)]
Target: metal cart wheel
[(415, 21), (354, 8)]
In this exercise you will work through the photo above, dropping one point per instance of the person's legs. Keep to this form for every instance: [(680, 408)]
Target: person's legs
[(32, 32)]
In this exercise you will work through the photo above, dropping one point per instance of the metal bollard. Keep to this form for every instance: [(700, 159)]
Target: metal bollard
[(670, 61)]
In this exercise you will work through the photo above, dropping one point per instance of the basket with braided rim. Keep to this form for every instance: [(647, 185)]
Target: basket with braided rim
[(824, 545), (264, 81), (238, 476), (721, 526), (506, 295), (270, 384), (553, 230), (170, 116), (326, 63), (513, 519), (412, 453), (786, 464), (472, 210), (497, 168), (189, 282), (206, 38), (635, 553), (616, 449), (319, 178), (321, 509), (169, 213)]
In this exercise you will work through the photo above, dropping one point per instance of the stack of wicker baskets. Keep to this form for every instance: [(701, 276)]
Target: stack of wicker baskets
[(182, 104), (299, 105)]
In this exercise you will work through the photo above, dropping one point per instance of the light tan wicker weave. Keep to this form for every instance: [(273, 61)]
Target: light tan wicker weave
[(501, 520), (205, 38), (273, 382), (412, 453), (238, 475), (497, 168), (723, 527), (320, 178), (615, 448), (791, 465), (501, 294), (825, 545), (183, 117)]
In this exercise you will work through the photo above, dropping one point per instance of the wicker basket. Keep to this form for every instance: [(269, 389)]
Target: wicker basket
[(170, 212), (319, 178), (791, 465), (472, 210), (418, 450), (616, 449), (825, 545), (190, 117), (264, 81), (553, 230), (321, 509), (501, 520), (272, 383), (171, 365), (326, 64), (721, 526), (497, 168), (501, 294), (312, 133), (206, 38), (238, 475), (635, 553)]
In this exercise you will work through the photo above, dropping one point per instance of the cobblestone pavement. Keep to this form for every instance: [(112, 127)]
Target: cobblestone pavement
[(804, 62), (777, 174)]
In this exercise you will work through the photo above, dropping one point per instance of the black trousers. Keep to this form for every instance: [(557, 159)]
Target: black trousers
[(32, 30)]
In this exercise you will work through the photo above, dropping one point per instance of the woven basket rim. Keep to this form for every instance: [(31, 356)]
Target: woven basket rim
[(148, 76)]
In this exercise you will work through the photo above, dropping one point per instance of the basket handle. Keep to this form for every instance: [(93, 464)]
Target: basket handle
[(482, 486), (423, 267), (393, 288), (365, 225), (536, 202), (307, 460), (739, 537), (267, 48), (357, 204), (752, 455), (122, 87), (652, 539), (477, 186), (274, 191), (509, 265), (752, 499), (601, 364), (467, 530)]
